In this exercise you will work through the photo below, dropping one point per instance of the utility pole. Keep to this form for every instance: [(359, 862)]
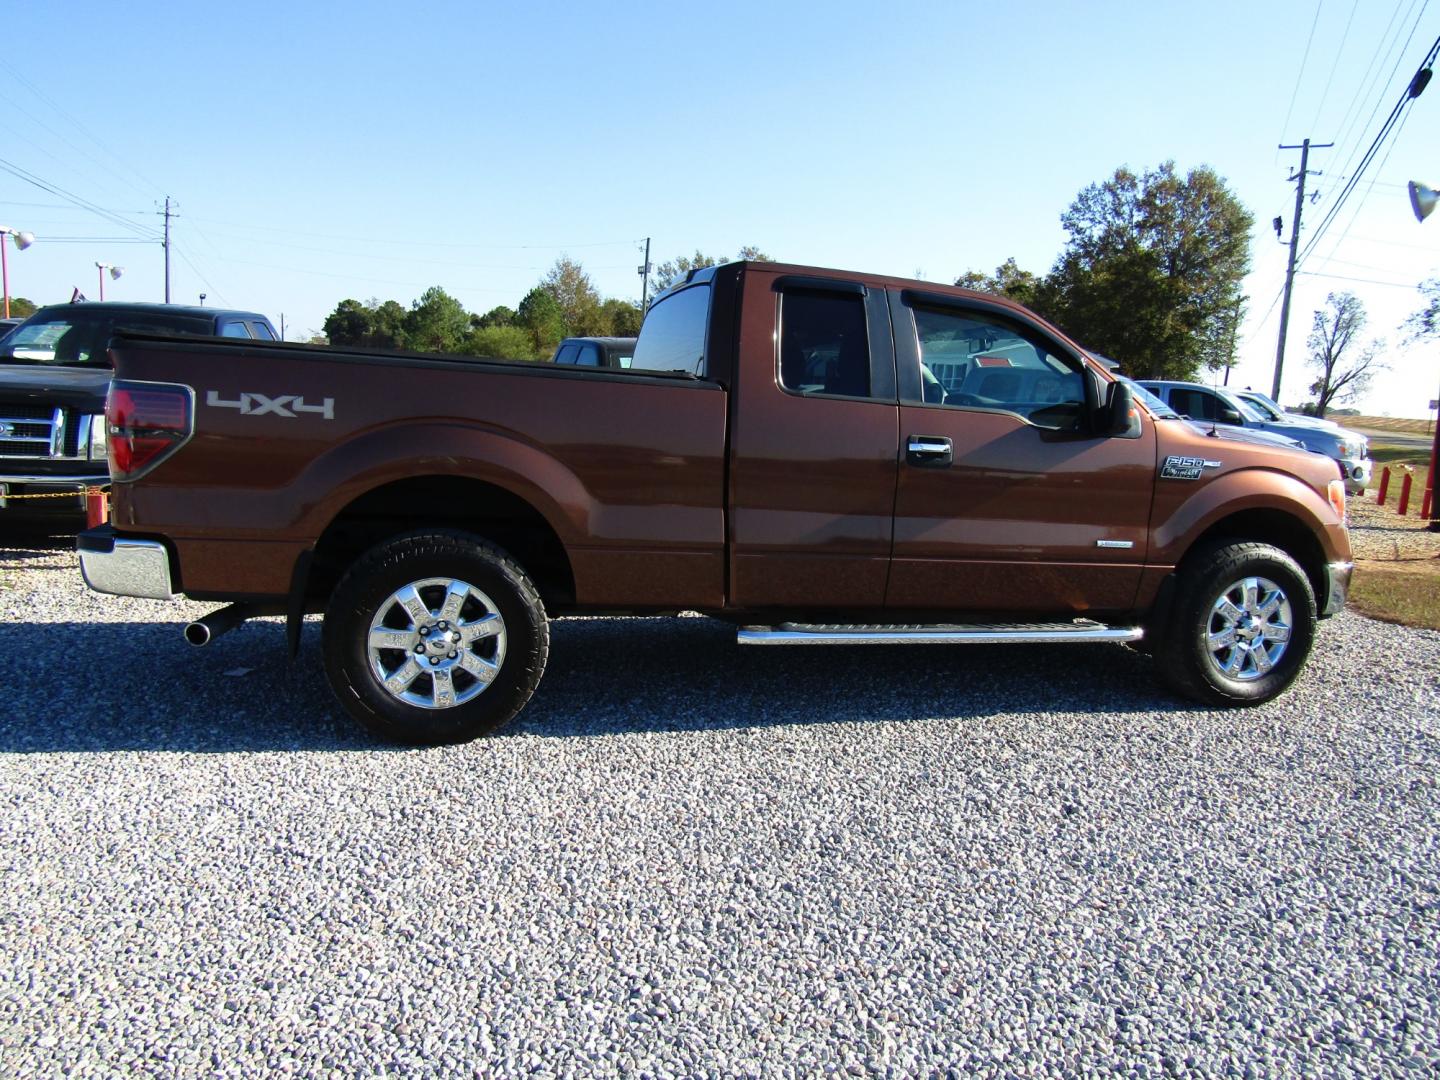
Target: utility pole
[(166, 245), (1304, 149), (645, 279)]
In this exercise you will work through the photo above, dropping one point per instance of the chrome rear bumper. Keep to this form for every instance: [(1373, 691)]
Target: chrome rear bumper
[(123, 567)]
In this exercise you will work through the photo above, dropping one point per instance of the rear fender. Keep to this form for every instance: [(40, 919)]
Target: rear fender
[(376, 458)]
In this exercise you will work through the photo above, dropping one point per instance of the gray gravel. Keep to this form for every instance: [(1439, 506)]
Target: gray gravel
[(692, 859)]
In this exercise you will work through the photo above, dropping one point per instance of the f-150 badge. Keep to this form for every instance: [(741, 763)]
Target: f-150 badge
[(251, 404), (1186, 468)]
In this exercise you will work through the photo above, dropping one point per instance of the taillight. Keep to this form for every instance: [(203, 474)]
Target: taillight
[(145, 423)]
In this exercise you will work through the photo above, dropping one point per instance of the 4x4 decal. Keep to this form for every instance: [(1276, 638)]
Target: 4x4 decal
[(252, 404)]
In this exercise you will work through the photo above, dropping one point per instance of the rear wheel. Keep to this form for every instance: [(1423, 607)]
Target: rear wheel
[(1242, 625), (435, 637)]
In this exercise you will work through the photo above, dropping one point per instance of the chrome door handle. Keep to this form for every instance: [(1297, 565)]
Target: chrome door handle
[(931, 450)]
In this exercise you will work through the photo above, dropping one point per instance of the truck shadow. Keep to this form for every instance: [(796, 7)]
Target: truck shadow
[(97, 686)]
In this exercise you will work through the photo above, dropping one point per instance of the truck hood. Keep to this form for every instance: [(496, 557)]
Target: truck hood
[(1246, 435), (73, 387)]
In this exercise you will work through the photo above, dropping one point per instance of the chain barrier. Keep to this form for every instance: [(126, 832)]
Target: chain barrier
[(86, 493)]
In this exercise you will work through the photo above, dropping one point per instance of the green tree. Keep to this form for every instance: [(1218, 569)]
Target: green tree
[(501, 342), (573, 290), (387, 325), (620, 318), (1152, 271), (1425, 323), (496, 316), (1344, 365), (1008, 281), (20, 308), (540, 314), (673, 272), (349, 323), (436, 322)]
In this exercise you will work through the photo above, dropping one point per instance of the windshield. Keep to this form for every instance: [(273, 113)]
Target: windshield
[(80, 338), (1263, 405), (1248, 411), (1158, 408)]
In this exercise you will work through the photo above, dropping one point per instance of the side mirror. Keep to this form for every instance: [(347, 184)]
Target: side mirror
[(1121, 417), (1230, 416)]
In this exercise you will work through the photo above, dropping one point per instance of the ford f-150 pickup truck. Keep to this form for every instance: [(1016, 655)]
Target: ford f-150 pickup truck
[(818, 457)]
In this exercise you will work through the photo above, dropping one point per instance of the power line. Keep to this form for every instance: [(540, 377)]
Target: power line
[(1369, 188), (1411, 92), (1368, 281), (1371, 79), (1304, 60), (370, 240), (84, 204), (1334, 67), (23, 81)]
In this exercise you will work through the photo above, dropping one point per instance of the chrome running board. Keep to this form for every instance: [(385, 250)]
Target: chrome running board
[(989, 633)]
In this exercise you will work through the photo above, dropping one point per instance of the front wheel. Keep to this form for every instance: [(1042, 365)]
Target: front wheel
[(435, 637), (1243, 624)]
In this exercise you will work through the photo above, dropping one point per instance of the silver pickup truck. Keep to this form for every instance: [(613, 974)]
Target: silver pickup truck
[(1220, 405)]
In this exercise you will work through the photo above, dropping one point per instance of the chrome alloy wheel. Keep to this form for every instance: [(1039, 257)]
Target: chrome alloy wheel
[(436, 643), (1249, 629)]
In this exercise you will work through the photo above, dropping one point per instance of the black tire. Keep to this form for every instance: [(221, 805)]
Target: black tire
[(1252, 670), (510, 661)]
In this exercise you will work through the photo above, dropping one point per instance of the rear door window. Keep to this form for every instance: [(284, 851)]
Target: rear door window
[(824, 345), (567, 354), (589, 356), (672, 338), (234, 329)]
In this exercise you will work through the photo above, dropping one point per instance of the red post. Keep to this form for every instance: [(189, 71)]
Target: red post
[(1404, 494), (1384, 485), (1425, 503), (1433, 505), (97, 510)]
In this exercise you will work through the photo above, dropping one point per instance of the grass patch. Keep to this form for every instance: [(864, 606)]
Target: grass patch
[(1407, 593), (1398, 455)]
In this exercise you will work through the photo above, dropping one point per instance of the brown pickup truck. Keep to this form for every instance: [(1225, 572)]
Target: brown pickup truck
[(816, 456)]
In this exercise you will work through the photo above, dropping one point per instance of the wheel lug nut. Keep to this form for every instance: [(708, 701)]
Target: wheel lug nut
[(444, 625), (419, 648), (454, 635), (452, 656), (434, 660)]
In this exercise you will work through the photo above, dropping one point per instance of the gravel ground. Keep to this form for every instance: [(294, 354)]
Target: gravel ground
[(692, 859)]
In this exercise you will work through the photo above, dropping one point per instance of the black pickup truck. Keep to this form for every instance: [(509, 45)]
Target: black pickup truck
[(54, 372)]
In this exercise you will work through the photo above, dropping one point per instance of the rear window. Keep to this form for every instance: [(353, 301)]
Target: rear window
[(79, 339), (672, 337)]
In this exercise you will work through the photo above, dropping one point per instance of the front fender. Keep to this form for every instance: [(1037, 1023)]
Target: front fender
[(1179, 521)]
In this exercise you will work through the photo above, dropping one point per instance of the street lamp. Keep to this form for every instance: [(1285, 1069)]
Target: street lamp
[(22, 241), (1422, 199), (115, 272)]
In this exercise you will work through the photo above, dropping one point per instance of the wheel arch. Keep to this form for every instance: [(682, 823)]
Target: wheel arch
[(1267, 525), (447, 502)]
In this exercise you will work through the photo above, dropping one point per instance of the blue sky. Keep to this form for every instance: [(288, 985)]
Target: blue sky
[(325, 151)]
